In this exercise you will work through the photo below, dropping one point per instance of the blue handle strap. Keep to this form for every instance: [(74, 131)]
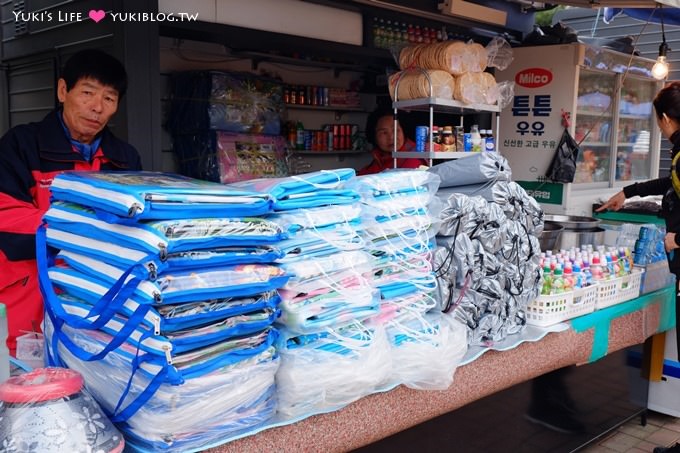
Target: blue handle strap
[(52, 352), (59, 316), (117, 339), (105, 308), (150, 389)]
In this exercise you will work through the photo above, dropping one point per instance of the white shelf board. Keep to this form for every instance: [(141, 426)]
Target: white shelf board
[(443, 105), (429, 155)]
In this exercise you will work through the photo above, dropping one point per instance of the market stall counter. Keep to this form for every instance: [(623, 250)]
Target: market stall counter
[(581, 341)]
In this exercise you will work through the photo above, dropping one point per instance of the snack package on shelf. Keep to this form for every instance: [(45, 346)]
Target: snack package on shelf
[(227, 157), (228, 101)]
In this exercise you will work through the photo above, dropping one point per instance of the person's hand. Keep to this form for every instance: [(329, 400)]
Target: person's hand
[(614, 203), (669, 242)]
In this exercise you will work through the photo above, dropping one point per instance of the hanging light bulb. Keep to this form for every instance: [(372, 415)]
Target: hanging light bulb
[(660, 68)]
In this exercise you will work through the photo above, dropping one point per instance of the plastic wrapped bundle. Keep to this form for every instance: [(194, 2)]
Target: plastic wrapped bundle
[(317, 218), (350, 300), (229, 101), (516, 203), (524, 209), (327, 370), (476, 88), (126, 257), (120, 196), (519, 245), (161, 237), (460, 214), (394, 182), (313, 243), (476, 169), (326, 271), (426, 350), (398, 204), (244, 333), (168, 287), (387, 268), (487, 262), (422, 83), (493, 192), (308, 190), (456, 57), (191, 414), (226, 157)]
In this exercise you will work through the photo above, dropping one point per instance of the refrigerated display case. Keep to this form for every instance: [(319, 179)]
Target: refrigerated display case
[(607, 98)]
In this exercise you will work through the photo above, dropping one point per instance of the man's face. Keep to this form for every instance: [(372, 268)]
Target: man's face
[(384, 134), (88, 106)]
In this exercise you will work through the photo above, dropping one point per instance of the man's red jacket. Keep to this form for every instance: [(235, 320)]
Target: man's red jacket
[(31, 155)]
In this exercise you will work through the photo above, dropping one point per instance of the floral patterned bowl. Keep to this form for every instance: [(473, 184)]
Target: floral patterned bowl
[(48, 410)]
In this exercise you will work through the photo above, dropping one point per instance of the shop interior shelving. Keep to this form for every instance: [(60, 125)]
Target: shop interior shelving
[(439, 105)]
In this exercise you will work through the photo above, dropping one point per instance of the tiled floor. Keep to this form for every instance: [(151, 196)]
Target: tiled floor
[(609, 396), (632, 437)]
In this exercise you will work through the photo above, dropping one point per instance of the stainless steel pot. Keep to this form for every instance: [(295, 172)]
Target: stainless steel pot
[(573, 222), (578, 238), (550, 235)]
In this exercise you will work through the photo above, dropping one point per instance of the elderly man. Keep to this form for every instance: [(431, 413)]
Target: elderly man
[(73, 137)]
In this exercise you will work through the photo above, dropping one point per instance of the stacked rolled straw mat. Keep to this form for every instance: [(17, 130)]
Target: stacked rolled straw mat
[(414, 84), (455, 57)]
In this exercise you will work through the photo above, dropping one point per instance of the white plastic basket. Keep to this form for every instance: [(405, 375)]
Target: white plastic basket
[(554, 308), (620, 289)]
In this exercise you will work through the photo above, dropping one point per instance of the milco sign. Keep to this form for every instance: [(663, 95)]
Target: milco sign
[(533, 77)]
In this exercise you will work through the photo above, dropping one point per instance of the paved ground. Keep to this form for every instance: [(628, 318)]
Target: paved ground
[(632, 437)]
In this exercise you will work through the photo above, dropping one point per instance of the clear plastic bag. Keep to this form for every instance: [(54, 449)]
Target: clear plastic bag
[(306, 190), (349, 300), (426, 350), (328, 370), (150, 195), (393, 182), (175, 287), (192, 415), (315, 218), (499, 53)]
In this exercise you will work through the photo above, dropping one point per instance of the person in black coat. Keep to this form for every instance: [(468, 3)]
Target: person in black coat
[(73, 137), (667, 108)]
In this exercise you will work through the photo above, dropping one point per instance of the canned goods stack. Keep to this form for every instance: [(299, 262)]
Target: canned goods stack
[(444, 138), (331, 137), (306, 95), (320, 96)]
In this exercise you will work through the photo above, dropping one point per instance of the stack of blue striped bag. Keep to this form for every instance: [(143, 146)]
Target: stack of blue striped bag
[(399, 222), (329, 358), (163, 295)]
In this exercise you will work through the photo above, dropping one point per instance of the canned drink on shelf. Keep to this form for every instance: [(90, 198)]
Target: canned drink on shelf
[(467, 142), (354, 139), (458, 138), (308, 139), (421, 138)]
